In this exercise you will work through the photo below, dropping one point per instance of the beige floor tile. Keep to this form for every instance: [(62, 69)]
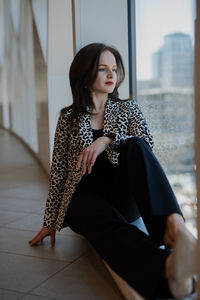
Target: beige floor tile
[(36, 297), (7, 217), (32, 222), (81, 282), (17, 179), (22, 273), (30, 190), (10, 295), (17, 175), (20, 205), (67, 248), (68, 271)]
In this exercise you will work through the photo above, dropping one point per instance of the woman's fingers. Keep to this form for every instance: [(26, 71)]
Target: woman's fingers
[(91, 161), (41, 235), (84, 162), (88, 156), (35, 240), (52, 238)]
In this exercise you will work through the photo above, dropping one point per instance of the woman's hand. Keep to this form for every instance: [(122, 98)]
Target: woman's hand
[(89, 154), (42, 234)]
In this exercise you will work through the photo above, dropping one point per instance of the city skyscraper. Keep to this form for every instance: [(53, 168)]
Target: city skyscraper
[(157, 64), (173, 62)]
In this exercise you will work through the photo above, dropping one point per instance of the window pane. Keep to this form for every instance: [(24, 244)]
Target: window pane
[(165, 54)]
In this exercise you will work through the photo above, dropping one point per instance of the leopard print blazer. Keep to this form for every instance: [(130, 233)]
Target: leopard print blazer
[(122, 120)]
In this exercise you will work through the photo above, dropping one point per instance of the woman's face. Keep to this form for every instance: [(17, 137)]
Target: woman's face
[(106, 75)]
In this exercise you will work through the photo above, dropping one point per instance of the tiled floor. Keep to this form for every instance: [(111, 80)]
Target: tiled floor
[(71, 270)]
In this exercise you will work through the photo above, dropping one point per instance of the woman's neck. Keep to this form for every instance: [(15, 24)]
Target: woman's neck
[(99, 103)]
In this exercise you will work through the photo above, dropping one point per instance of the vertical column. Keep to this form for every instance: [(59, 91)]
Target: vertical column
[(40, 11), (4, 66), (23, 99), (132, 48), (60, 56), (197, 126), (5, 99), (40, 15)]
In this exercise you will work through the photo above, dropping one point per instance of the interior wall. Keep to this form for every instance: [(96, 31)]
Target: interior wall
[(107, 22), (41, 101), (20, 75), (22, 114), (18, 80), (40, 16), (60, 56)]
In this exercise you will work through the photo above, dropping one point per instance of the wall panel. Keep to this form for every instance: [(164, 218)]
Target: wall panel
[(107, 22), (60, 56)]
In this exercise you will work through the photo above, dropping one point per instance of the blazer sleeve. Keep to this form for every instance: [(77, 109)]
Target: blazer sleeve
[(137, 126), (58, 173)]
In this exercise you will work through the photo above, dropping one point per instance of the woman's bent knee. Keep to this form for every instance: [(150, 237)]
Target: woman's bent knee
[(134, 142), (137, 140)]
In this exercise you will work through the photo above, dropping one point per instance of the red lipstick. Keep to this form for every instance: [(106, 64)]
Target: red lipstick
[(109, 82)]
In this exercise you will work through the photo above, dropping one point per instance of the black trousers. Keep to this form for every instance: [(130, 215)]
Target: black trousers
[(103, 218)]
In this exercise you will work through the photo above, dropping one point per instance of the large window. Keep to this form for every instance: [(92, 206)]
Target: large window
[(165, 54)]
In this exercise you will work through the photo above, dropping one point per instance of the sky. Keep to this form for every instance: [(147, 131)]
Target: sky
[(154, 19)]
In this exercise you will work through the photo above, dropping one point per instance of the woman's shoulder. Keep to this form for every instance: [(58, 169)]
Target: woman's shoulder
[(65, 112), (126, 103)]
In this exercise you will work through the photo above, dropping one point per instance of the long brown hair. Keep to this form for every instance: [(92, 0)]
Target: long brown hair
[(83, 73)]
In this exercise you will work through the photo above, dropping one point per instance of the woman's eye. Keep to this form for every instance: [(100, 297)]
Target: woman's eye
[(115, 70)]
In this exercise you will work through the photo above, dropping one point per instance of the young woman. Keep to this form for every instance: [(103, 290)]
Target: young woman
[(104, 175)]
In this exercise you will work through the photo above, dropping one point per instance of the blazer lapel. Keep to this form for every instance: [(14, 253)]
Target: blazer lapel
[(85, 127), (85, 130), (109, 118)]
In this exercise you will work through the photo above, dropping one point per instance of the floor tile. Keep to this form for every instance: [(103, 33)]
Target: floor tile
[(34, 222), (22, 273), (7, 217), (20, 205), (29, 191), (36, 297), (71, 270), (9, 295), (15, 176), (67, 248), (78, 281), (27, 222)]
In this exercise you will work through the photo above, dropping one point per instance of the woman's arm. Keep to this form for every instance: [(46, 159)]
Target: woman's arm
[(58, 173), (89, 155), (57, 180), (137, 126)]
